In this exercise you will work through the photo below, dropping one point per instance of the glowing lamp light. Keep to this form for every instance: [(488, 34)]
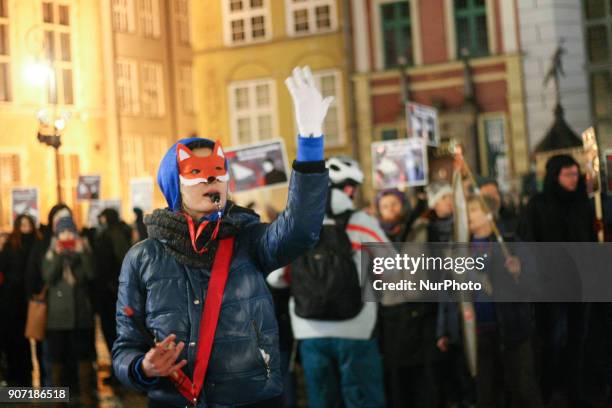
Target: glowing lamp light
[(60, 124), (38, 73)]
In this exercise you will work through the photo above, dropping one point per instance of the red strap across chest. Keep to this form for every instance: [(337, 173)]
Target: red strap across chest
[(208, 323), (194, 235)]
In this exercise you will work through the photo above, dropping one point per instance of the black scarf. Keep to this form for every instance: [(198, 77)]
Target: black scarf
[(172, 230)]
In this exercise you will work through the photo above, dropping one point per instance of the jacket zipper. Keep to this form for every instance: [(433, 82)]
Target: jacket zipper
[(265, 357)]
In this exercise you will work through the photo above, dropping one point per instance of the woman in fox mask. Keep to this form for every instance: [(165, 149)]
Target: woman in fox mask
[(195, 321)]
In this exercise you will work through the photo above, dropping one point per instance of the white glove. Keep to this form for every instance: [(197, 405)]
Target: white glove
[(310, 107)]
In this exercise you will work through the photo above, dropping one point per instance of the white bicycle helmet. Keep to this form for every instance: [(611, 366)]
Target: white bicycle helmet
[(344, 170)]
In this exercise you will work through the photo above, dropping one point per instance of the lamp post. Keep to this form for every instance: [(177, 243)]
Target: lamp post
[(41, 73), (49, 132)]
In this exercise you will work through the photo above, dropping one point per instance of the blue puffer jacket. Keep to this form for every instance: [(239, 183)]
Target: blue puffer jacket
[(166, 291)]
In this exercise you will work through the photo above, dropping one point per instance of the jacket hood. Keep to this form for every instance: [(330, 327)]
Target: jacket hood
[(111, 215), (552, 188), (168, 174)]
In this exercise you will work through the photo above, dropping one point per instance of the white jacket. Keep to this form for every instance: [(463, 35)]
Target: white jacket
[(361, 228)]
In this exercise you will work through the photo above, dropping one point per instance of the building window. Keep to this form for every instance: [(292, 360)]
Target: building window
[(471, 27), (330, 84), (246, 21), (140, 154), (497, 166), (152, 89), (148, 13), (127, 87), (396, 32), (598, 38), (154, 147), (132, 153), (5, 53), (185, 86), (252, 111), (388, 134), (310, 16), (58, 51), (601, 94), (182, 21), (123, 16), (10, 177), (69, 170), (598, 30)]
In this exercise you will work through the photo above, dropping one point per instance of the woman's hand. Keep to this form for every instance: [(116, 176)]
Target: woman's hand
[(159, 360), (310, 107)]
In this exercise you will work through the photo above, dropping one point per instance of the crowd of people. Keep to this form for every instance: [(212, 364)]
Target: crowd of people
[(397, 355), (189, 318), (77, 274), (411, 354)]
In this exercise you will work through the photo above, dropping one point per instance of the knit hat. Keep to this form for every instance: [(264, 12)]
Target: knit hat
[(391, 191), (437, 190), (64, 224)]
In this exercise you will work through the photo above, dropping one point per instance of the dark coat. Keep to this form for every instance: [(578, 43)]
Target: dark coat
[(165, 283), (555, 214), (110, 247), (68, 306), (13, 295)]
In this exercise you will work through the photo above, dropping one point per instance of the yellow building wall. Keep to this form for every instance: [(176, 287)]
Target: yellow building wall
[(216, 66), (85, 133)]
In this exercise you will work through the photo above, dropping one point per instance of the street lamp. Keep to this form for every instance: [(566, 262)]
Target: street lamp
[(41, 73), (50, 129), (50, 124)]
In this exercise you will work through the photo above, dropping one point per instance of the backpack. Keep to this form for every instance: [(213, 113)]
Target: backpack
[(324, 280)]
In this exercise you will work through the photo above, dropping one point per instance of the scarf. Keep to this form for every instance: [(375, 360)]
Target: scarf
[(171, 228)]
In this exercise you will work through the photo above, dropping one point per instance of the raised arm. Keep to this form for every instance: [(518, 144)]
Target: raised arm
[(298, 226)]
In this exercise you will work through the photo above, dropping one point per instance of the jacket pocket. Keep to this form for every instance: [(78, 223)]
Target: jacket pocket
[(262, 353)]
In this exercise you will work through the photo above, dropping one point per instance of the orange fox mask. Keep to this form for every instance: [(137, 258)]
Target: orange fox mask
[(195, 169)]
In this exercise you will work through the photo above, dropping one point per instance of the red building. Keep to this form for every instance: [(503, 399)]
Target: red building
[(460, 56)]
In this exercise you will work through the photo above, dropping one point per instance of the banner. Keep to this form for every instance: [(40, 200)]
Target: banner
[(141, 193), (88, 187), (25, 201), (97, 206), (399, 163), (422, 123), (256, 166)]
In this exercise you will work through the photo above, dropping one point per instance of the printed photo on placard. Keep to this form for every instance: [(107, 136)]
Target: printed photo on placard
[(97, 206), (88, 187), (141, 193), (257, 166), (399, 163), (25, 201), (422, 123)]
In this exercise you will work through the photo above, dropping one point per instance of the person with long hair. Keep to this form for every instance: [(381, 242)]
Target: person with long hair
[(14, 300)]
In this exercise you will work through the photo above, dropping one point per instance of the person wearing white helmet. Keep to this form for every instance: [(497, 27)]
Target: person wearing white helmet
[(341, 360)]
